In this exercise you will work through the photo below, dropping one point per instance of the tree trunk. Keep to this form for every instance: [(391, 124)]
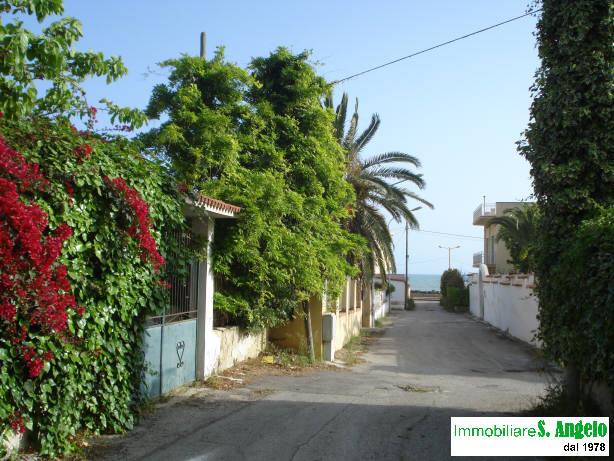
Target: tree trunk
[(572, 386), (308, 331)]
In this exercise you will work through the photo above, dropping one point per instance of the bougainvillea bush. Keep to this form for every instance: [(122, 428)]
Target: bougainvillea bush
[(81, 265)]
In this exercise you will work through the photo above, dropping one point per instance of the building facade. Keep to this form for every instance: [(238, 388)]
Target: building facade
[(495, 253)]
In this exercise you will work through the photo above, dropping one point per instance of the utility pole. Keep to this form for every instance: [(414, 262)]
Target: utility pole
[(203, 44), (406, 297), (406, 263), (450, 254)]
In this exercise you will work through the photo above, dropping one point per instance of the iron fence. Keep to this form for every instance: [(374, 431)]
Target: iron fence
[(182, 287)]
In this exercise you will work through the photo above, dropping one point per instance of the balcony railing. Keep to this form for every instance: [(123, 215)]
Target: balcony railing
[(477, 259), (484, 210)]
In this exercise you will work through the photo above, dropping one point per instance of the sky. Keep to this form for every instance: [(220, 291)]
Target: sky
[(460, 109)]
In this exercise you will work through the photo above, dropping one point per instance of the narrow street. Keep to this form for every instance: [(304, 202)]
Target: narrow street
[(429, 365)]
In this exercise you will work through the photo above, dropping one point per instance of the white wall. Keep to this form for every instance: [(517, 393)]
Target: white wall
[(229, 345), (397, 298), (509, 304), (474, 297), (380, 304)]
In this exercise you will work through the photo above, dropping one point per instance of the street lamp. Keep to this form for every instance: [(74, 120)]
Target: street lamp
[(406, 298), (449, 253)]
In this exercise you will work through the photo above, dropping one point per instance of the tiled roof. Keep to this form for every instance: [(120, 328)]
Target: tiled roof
[(216, 204)]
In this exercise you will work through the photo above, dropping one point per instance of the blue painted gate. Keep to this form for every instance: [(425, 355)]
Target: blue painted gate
[(169, 343)]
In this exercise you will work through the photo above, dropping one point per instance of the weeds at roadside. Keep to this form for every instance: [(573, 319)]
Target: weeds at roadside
[(351, 353), (554, 403)]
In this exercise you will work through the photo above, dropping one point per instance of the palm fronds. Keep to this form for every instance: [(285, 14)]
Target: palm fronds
[(518, 229), (376, 184)]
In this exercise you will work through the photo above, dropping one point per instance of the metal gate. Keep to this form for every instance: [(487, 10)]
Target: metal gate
[(169, 344)]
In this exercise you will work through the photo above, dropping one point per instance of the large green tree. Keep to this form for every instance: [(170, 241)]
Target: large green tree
[(377, 184), (570, 146), (261, 140)]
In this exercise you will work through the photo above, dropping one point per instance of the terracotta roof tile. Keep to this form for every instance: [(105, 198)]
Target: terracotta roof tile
[(217, 204)]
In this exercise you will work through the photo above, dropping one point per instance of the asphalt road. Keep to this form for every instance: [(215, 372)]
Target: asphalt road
[(428, 366)]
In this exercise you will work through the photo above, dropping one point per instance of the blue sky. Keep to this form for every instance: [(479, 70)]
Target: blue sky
[(460, 109)]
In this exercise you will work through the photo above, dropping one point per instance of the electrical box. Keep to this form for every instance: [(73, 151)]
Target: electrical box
[(328, 327)]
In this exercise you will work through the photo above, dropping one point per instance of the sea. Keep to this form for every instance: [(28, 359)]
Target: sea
[(424, 282)]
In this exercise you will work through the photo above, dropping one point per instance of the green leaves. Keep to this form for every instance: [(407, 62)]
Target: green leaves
[(519, 230), (570, 146), (93, 380), (260, 140), (29, 59)]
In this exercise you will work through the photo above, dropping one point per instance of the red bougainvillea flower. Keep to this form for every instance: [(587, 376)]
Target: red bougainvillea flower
[(141, 230), (7, 311), (70, 190), (33, 285), (164, 284), (17, 424), (34, 362), (83, 151)]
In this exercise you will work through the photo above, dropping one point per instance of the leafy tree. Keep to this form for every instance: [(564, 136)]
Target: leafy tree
[(261, 140), (374, 194), (518, 229), (49, 58), (205, 105), (570, 145)]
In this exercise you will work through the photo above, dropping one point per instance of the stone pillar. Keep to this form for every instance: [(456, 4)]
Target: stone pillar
[(328, 336), (367, 307), (483, 272), (204, 322)]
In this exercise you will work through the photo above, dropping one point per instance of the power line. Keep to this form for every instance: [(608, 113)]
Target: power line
[(452, 235), (435, 47), (445, 233)]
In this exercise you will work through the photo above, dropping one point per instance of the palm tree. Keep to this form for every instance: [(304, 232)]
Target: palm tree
[(374, 194), (518, 229)]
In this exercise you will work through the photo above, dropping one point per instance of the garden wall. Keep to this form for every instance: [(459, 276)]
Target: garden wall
[(381, 308), (348, 324), (231, 345), (509, 304)]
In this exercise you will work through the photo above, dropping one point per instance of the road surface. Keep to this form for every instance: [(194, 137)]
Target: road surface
[(429, 365)]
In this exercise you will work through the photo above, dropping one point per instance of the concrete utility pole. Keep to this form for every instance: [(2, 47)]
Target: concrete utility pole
[(449, 254), (203, 44), (406, 297)]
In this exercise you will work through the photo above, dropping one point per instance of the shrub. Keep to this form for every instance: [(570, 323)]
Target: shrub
[(411, 305), (569, 143), (450, 278), (457, 299), (581, 329)]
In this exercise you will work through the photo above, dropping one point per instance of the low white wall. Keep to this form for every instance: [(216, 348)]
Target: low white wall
[(509, 304), (397, 298), (230, 345), (474, 297), (380, 305)]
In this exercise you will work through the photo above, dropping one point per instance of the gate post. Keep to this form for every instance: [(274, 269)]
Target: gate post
[(483, 272), (204, 319)]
